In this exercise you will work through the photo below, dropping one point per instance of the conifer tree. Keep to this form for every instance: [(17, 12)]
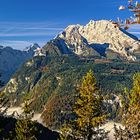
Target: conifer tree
[(131, 115), (25, 128), (88, 107), (88, 110), (2, 100), (66, 132)]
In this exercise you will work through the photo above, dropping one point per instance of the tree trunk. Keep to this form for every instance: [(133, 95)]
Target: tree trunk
[(90, 134)]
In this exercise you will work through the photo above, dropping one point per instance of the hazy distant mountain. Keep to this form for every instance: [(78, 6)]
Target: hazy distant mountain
[(98, 38), (11, 59), (31, 48)]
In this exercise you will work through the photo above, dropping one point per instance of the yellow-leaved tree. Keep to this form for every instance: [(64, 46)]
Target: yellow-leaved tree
[(132, 117), (89, 112), (131, 113), (25, 128)]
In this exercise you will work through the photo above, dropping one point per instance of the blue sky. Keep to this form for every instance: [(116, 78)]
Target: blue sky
[(23, 22)]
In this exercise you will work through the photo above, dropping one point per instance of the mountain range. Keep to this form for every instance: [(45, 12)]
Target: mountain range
[(98, 39), (50, 80), (11, 60)]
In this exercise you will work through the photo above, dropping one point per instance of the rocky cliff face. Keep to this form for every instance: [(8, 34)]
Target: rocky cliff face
[(11, 59), (102, 38)]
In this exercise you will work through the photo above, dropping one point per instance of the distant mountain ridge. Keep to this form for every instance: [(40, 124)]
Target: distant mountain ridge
[(32, 47), (11, 59), (98, 38)]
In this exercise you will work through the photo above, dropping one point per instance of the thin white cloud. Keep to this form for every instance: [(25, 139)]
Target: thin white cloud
[(25, 34), (36, 28), (137, 33), (28, 29), (14, 34), (15, 43), (29, 24), (135, 27), (135, 30)]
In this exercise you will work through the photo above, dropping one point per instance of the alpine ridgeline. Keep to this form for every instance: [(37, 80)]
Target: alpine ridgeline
[(98, 38), (11, 59)]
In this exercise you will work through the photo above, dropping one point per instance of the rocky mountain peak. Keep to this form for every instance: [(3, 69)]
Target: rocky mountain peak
[(100, 34), (32, 47)]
